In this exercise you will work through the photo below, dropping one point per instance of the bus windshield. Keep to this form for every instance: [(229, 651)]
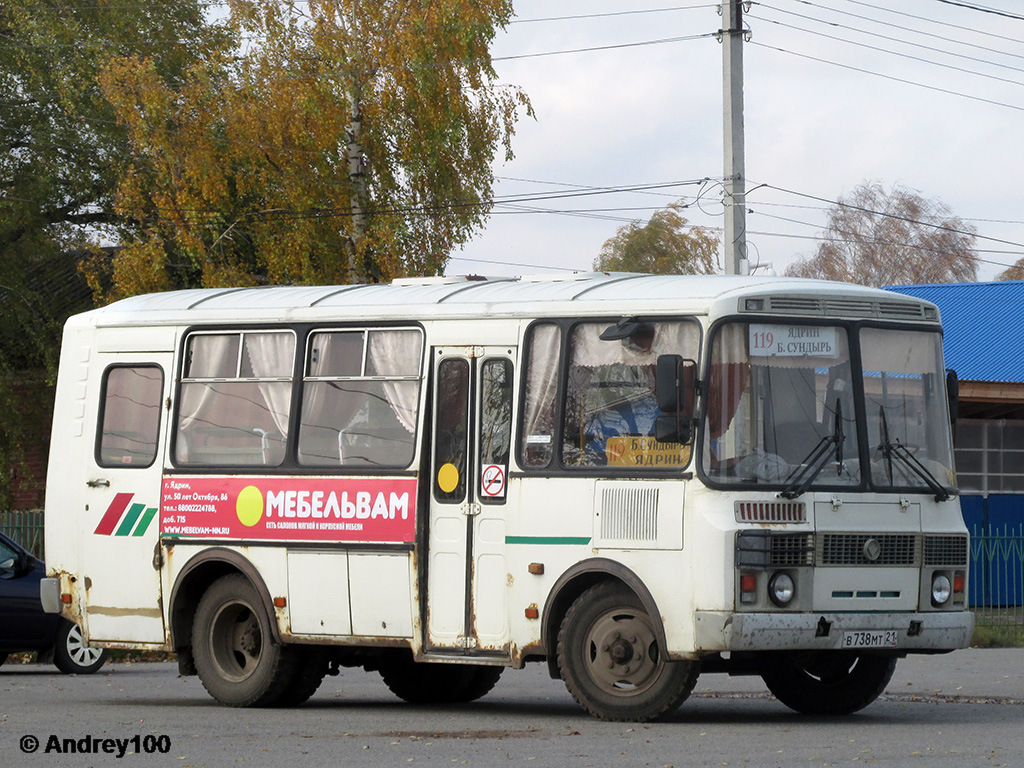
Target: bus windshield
[(906, 409), (781, 409)]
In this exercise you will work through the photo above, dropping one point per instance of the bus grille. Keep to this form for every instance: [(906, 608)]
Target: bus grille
[(771, 512), (629, 514), (868, 549), (831, 306), (793, 549), (945, 550)]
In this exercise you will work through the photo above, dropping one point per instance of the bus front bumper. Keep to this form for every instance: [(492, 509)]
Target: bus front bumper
[(910, 632)]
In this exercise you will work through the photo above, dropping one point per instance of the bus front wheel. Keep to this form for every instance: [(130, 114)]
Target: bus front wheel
[(609, 658), (828, 683), (236, 656)]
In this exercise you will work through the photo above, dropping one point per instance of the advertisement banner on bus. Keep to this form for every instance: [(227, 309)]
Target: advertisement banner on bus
[(290, 508)]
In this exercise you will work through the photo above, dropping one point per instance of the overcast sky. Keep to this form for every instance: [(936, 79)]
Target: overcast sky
[(836, 92)]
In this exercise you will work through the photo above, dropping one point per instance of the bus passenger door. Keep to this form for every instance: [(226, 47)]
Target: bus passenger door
[(120, 494), (466, 570)]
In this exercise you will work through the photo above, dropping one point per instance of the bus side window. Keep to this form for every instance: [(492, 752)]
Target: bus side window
[(235, 399), (541, 391), (495, 424), (130, 419), (452, 431), (360, 398)]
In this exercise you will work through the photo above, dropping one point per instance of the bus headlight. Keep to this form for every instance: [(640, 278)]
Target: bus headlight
[(781, 589), (941, 589)]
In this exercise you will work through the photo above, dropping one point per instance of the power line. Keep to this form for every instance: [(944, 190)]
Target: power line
[(824, 208), (912, 30), (615, 13), (511, 264), (983, 9), (890, 77), (577, 186), (934, 21), (894, 216), (445, 207), (682, 39), (896, 39), (434, 65), (890, 52)]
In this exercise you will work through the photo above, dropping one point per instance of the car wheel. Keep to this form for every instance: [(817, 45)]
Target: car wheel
[(70, 653), (3, 658)]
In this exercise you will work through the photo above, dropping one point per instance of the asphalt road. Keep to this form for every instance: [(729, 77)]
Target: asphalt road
[(961, 710)]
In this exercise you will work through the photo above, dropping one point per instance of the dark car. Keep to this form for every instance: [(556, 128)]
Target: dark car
[(23, 624)]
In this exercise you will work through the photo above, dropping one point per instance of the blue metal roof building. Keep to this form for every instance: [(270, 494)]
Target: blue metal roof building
[(983, 325), (983, 340)]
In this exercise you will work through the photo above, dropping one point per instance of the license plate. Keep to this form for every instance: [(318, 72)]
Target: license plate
[(886, 638)]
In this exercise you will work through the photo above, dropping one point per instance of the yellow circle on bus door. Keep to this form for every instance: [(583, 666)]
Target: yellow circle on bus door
[(448, 477), (249, 505)]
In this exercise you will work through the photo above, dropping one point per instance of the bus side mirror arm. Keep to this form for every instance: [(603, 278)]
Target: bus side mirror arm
[(676, 392), (669, 428)]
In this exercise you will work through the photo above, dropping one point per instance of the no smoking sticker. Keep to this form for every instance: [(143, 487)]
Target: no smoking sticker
[(492, 481)]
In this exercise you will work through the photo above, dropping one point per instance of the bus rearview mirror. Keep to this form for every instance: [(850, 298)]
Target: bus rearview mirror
[(676, 390)]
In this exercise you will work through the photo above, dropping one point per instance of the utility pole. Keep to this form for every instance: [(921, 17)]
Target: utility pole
[(735, 193)]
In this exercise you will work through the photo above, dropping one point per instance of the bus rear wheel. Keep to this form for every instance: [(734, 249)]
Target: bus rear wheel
[(828, 683), (238, 661), (311, 665), (425, 683), (609, 658)]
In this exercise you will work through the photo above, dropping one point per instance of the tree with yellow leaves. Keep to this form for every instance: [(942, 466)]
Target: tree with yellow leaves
[(666, 245), (337, 141)]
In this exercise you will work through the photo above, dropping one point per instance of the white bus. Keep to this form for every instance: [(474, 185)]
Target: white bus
[(632, 478)]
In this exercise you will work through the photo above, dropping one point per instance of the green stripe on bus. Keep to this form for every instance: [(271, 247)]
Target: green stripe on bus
[(547, 539), (147, 518), (129, 520)]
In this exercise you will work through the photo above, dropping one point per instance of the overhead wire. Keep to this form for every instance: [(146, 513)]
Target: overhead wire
[(635, 12), (938, 22), (904, 28), (890, 52), (888, 38), (1018, 246), (893, 78), (983, 9), (639, 190), (897, 217)]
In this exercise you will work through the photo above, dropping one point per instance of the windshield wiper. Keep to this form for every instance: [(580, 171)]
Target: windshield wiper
[(899, 451), (801, 478)]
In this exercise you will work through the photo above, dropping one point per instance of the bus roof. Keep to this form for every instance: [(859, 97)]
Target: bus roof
[(514, 297)]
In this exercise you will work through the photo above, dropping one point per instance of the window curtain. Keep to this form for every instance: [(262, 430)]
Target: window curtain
[(271, 355), (208, 354), (397, 353), (728, 378), (542, 380)]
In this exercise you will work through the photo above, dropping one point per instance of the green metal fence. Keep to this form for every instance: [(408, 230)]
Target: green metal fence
[(997, 581), (26, 528)]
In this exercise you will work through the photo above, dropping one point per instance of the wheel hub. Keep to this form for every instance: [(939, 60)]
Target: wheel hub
[(623, 656), (236, 641), (621, 650)]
